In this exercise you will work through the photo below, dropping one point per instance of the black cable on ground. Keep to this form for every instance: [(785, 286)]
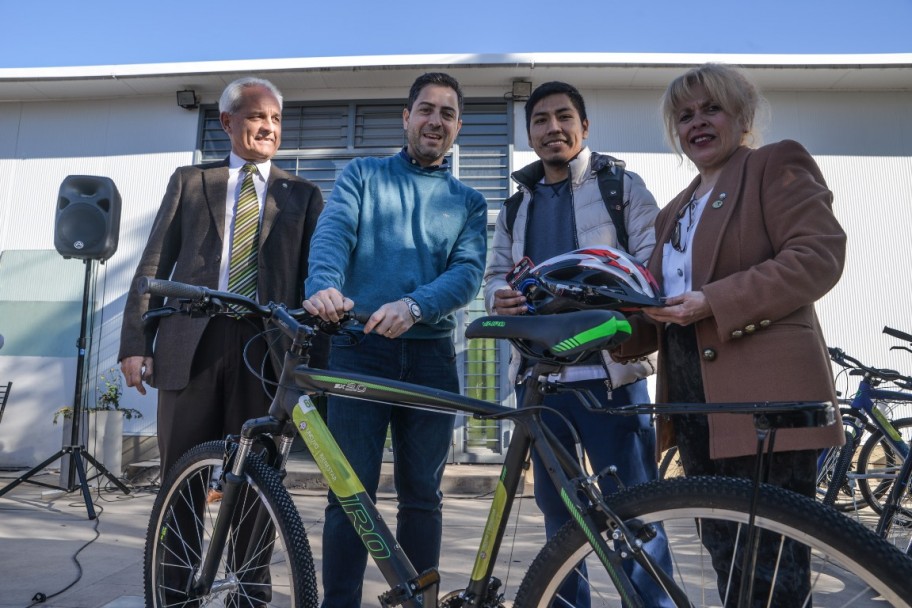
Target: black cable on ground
[(40, 598)]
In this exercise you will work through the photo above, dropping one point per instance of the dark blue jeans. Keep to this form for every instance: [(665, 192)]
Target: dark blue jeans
[(421, 442), (625, 441)]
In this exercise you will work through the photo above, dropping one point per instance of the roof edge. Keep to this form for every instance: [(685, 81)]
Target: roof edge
[(883, 60)]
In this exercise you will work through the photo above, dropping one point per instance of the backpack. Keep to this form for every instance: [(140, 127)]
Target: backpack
[(611, 185)]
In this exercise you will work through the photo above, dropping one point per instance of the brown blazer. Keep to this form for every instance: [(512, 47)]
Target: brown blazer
[(766, 248), (186, 245)]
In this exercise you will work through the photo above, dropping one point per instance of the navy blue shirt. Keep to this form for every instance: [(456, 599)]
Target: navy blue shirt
[(551, 229)]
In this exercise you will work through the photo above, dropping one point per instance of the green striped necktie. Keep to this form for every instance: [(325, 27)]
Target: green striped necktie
[(242, 265)]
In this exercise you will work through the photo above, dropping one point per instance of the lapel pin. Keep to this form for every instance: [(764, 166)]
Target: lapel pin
[(284, 185), (720, 201)]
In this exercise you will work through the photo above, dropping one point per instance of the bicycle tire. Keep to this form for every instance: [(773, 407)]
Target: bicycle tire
[(842, 548), (877, 461), (173, 551)]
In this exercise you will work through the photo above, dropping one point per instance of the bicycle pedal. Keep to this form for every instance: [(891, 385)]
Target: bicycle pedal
[(401, 594)]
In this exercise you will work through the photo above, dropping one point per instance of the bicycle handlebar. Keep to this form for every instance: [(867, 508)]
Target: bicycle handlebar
[(898, 334), (847, 361), (171, 289), (204, 295)]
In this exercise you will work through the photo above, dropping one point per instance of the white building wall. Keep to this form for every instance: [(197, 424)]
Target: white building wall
[(137, 143)]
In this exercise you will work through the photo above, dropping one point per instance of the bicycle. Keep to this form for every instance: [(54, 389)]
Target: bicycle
[(209, 561), (882, 453), (895, 521)]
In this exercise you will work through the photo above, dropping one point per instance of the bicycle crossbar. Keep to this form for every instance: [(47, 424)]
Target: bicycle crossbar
[(360, 386)]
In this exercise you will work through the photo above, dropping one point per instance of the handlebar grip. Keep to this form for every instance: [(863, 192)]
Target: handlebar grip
[(171, 289), (897, 334)]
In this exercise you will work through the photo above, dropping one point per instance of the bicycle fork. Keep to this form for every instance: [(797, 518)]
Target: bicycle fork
[(203, 582)]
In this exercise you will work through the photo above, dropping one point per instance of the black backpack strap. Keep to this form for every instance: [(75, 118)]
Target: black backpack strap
[(611, 185), (511, 208)]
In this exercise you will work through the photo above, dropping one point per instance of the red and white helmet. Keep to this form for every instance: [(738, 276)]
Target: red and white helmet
[(596, 277)]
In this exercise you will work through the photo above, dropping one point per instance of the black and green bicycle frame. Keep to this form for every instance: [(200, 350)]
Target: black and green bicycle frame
[(376, 536)]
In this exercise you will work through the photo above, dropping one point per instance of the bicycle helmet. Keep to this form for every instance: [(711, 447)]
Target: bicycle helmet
[(596, 277)]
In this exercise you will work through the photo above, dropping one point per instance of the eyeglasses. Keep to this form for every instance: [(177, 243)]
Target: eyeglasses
[(677, 242)]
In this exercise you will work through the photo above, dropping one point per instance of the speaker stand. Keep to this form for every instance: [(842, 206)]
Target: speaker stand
[(76, 451)]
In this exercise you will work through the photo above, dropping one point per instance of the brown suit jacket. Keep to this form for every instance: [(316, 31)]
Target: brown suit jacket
[(185, 245), (767, 247)]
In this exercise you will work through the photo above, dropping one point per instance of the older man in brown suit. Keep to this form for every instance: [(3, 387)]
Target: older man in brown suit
[(204, 389)]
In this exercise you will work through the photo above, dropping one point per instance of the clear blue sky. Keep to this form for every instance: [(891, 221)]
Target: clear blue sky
[(45, 33)]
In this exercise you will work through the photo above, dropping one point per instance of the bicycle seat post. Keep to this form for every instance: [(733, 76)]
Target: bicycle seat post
[(765, 430)]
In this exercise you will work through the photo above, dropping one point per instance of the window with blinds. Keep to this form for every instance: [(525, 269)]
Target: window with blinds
[(318, 140)]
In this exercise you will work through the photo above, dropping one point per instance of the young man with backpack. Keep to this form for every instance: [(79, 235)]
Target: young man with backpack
[(569, 199)]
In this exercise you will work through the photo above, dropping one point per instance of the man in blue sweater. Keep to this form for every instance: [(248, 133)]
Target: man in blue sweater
[(402, 239)]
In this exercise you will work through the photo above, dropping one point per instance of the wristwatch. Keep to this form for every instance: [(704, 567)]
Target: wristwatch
[(413, 308)]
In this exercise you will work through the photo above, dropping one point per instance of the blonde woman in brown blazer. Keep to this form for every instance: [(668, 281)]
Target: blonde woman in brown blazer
[(742, 254)]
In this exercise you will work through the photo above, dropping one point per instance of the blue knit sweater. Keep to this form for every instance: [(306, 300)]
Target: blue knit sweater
[(391, 228)]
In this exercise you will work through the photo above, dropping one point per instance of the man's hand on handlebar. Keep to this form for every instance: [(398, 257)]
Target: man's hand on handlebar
[(137, 370), (328, 304)]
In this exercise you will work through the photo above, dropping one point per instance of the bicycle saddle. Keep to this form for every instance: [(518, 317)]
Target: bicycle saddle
[(560, 337)]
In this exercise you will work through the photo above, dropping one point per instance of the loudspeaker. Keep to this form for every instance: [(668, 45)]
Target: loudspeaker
[(87, 223)]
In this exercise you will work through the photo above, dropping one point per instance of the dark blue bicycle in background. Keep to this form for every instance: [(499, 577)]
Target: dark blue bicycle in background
[(878, 442)]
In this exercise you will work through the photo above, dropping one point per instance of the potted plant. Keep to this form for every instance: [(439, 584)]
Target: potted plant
[(102, 425)]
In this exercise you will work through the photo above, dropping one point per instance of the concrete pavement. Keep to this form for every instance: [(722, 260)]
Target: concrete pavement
[(49, 546)]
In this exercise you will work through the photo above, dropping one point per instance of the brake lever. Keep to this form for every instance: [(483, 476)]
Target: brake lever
[(905, 348), (157, 313)]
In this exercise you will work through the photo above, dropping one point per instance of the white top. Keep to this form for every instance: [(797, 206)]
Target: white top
[(677, 267)]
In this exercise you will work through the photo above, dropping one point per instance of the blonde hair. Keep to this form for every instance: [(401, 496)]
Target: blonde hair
[(726, 85)]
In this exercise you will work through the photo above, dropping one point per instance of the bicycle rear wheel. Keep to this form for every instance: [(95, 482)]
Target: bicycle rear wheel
[(261, 565), (848, 562), (879, 462)]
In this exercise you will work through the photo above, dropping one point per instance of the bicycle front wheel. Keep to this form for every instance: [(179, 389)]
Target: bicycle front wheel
[(266, 560), (848, 562)]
